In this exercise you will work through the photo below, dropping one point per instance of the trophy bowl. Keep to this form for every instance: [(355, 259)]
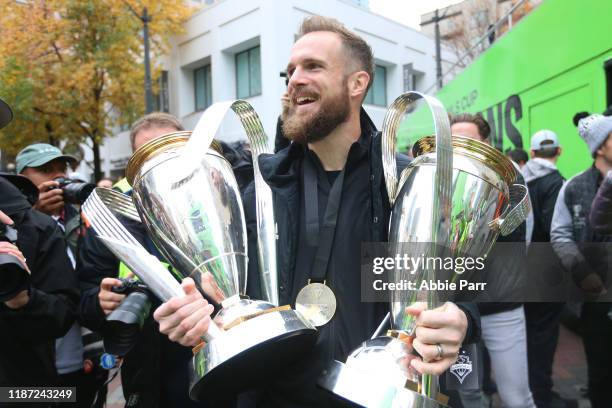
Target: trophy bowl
[(193, 213)]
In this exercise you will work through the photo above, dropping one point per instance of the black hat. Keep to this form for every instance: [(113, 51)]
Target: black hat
[(6, 114), (25, 186)]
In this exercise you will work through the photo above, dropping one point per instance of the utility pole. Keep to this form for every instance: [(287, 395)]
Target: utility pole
[(436, 20), (146, 19), (147, 61), (438, 53)]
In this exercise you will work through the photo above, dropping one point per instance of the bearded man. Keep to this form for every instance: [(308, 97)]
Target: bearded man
[(334, 161)]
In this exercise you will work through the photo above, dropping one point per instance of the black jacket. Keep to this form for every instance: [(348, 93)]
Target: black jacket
[(505, 270), (27, 335), (354, 321), (544, 182)]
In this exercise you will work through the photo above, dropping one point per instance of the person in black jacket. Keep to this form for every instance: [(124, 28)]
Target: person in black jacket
[(31, 322), (544, 182), (330, 71)]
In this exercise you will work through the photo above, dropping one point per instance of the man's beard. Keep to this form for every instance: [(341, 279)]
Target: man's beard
[(316, 126)]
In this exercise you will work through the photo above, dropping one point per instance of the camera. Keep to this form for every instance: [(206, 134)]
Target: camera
[(124, 324), (75, 192), (13, 277)]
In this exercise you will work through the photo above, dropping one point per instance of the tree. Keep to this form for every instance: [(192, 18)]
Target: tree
[(477, 18), (73, 69)]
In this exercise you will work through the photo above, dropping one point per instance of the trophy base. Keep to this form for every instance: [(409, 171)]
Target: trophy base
[(356, 388), (249, 354)]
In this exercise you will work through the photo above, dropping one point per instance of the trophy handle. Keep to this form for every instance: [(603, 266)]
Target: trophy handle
[(444, 162), (200, 140), (266, 224), (513, 217)]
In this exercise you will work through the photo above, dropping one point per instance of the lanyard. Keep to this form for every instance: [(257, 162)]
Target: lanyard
[(322, 238)]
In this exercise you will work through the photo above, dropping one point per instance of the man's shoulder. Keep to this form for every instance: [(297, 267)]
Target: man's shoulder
[(587, 176), (552, 179)]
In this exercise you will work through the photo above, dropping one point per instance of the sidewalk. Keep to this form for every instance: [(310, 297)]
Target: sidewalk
[(570, 368)]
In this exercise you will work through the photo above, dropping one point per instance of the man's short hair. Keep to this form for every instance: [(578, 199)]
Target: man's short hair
[(518, 155), (155, 119), (356, 47), (477, 119), (546, 153)]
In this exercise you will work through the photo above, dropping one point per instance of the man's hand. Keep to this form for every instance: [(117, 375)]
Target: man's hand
[(593, 286), (185, 319), (439, 335), (50, 199), (109, 301), (8, 248)]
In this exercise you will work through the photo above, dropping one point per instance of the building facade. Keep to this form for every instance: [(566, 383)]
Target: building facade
[(237, 49)]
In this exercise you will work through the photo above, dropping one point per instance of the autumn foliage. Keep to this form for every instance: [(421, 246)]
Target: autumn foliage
[(72, 70)]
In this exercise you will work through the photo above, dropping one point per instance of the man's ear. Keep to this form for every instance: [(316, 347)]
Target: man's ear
[(358, 84)]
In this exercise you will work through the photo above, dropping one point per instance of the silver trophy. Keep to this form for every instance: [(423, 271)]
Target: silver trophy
[(188, 199), (453, 200)]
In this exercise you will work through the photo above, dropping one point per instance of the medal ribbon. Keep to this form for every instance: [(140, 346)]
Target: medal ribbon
[(322, 238)]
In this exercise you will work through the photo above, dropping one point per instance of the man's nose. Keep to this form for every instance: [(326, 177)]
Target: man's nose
[(298, 77)]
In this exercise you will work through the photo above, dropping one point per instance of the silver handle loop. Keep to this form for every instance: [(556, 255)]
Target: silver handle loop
[(515, 215)]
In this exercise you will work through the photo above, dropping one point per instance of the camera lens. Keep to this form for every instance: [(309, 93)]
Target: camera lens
[(123, 325), (77, 192), (13, 278)]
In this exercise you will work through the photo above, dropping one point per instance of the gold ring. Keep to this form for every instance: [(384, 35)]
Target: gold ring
[(440, 351)]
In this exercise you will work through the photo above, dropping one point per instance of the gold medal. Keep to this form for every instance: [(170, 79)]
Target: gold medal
[(317, 303)]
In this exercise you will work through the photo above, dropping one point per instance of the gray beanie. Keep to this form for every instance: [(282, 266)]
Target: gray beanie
[(594, 129)]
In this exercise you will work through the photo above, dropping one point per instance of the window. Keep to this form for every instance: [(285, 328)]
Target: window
[(248, 73), (377, 95), (161, 100), (203, 87)]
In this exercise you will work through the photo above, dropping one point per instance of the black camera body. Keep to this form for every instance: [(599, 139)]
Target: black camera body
[(75, 192), (124, 324), (13, 277)]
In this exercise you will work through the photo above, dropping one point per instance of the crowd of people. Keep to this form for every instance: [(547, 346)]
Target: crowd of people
[(52, 330)]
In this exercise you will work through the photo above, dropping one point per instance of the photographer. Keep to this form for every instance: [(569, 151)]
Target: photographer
[(45, 308), (45, 166)]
